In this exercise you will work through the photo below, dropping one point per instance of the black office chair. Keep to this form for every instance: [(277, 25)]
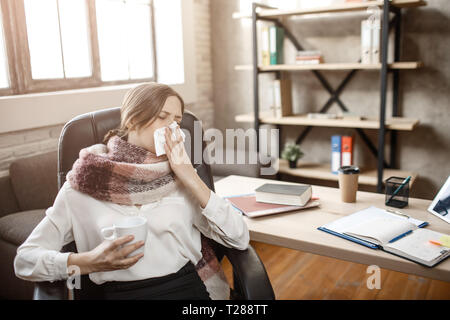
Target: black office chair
[(250, 279)]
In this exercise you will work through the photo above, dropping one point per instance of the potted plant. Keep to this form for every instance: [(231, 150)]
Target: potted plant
[(292, 153)]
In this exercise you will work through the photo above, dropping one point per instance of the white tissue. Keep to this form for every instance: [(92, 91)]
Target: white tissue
[(160, 138)]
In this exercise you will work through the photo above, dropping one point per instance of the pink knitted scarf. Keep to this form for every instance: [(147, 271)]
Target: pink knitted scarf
[(127, 174), (122, 173)]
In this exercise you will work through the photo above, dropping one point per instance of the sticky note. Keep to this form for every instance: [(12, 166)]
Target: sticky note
[(445, 240)]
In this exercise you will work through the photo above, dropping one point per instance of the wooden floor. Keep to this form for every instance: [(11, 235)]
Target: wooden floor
[(297, 275)]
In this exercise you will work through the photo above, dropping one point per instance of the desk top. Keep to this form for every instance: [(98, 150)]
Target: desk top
[(298, 229)]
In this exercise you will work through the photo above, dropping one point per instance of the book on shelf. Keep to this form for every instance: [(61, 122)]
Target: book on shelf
[(265, 46), (342, 150), (336, 150), (370, 40), (309, 53), (282, 96), (286, 194), (350, 116), (366, 42), (308, 57), (376, 34), (308, 62), (276, 39), (347, 151), (277, 98)]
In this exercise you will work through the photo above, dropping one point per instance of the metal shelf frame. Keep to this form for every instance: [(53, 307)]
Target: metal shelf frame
[(386, 26)]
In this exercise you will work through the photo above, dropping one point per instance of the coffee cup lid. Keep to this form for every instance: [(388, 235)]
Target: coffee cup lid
[(349, 170)]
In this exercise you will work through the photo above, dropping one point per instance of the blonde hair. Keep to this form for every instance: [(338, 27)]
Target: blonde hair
[(140, 107)]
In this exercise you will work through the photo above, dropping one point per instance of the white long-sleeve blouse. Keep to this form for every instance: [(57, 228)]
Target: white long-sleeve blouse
[(174, 225)]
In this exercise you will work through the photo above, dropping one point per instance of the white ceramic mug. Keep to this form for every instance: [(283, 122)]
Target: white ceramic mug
[(136, 226)]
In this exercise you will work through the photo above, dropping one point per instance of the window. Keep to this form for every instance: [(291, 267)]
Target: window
[(169, 45), (51, 45), (55, 106), (125, 39), (57, 33)]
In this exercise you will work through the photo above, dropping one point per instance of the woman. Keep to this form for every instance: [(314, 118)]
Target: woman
[(124, 177)]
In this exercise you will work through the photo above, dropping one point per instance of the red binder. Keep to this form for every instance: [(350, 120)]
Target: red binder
[(347, 151)]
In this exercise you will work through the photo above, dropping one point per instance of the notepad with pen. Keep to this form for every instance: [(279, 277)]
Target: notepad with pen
[(402, 236)]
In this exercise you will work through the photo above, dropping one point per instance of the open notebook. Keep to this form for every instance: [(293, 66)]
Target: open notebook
[(376, 228)]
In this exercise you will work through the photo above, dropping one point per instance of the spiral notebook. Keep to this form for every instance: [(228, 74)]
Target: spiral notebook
[(402, 236)]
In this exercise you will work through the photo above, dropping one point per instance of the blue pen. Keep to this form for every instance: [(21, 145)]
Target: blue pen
[(400, 236), (398, 189)]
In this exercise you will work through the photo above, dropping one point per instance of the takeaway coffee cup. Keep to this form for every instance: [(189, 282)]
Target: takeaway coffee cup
[(348, 182), (136, 226)]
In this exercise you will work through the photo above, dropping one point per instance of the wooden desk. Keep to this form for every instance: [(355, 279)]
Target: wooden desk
[(298, 229)]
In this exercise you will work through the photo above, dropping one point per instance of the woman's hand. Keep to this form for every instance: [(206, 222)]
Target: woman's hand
[(182, 166), (107, 256), (178, 157)]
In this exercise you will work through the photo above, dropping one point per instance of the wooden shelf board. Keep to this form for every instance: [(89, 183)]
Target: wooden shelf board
[(348, 7), (333, 66), (323, 172), (401, 124), (241, 15)]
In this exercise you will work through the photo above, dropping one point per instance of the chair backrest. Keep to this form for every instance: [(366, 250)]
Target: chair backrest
[(34, 182), (90, 128)]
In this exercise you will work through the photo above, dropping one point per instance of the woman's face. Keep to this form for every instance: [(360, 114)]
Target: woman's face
[(170, 112)]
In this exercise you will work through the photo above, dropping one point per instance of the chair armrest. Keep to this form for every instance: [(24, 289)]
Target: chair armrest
[(249, 275), (50, 291)]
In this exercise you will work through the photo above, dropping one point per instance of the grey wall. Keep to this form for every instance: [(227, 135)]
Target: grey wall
[(424, 93)]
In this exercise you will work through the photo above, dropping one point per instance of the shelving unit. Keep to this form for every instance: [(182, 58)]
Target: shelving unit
[(321, 171), (382, 123)]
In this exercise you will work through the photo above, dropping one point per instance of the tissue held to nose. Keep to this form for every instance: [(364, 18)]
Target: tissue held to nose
[(160, 138)]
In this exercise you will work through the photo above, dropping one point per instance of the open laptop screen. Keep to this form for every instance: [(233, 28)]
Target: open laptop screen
[(440, 206)]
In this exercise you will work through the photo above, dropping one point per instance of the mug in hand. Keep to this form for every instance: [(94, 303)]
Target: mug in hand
[(348, 182), (136, 226)]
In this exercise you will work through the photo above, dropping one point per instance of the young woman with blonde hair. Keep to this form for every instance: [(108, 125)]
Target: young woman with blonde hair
[(123, 177)]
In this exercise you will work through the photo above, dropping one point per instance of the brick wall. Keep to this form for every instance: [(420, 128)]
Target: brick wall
[(204, 107), (26, 143)]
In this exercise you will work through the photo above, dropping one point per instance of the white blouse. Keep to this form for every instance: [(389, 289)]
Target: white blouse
[(174, 225)]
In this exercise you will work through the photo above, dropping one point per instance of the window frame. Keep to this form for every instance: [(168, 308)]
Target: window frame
[(18, 54)]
